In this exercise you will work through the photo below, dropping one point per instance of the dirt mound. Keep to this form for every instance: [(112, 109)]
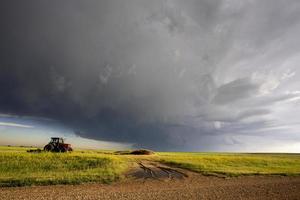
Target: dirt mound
[(135, 152), (141, 152)]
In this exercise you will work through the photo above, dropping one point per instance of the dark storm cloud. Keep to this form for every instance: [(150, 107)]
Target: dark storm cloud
[(159, 74)]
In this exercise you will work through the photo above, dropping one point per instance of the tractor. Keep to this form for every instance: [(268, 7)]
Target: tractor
[(57, 144)]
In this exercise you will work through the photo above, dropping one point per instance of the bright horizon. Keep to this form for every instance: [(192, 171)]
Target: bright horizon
[(17, 135)]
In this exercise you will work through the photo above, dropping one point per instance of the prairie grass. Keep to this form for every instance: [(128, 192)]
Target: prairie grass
[(235, 164), (19, 168), (13, 149)]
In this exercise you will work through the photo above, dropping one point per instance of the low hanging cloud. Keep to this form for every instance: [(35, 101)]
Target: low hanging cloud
[(158, 74), (10, 124)]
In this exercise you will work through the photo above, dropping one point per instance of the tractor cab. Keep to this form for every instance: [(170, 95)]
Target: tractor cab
[(56, 140)]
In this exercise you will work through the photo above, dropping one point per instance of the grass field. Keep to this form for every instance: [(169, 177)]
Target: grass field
[(233, 164), (19, 168)]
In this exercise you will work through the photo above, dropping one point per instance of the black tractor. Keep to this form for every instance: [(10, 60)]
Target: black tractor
[(57, 144)]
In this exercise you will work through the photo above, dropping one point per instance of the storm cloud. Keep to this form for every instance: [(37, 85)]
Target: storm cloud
[(168, 75)]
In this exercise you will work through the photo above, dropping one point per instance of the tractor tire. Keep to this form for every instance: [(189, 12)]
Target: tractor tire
[(49, 148), (70, 149), (63, 149)]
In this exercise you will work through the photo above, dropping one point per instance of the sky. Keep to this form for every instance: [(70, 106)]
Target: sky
[(169, 75)]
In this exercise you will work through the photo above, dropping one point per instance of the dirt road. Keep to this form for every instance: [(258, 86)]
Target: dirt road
[(152, 181)]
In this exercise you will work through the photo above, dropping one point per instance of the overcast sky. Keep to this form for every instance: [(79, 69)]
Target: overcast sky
[(194, 75)]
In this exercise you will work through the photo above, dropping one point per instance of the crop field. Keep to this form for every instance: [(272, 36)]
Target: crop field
[(235, 164), (20, 168)]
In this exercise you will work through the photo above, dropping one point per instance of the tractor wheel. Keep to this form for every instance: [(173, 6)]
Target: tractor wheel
[(60, 149), (70, 149), (48, 147), (63, 149)]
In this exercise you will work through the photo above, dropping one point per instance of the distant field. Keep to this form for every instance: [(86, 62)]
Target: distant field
[(19, 168), (235, 164)]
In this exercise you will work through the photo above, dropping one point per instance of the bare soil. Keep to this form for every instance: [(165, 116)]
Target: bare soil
[(150, 180), (153, 170)]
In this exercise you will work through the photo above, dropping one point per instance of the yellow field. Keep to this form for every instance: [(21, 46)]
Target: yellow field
[(235, 164), (19, 168)]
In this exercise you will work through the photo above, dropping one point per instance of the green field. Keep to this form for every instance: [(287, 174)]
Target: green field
[(19, 168), (235, 164)]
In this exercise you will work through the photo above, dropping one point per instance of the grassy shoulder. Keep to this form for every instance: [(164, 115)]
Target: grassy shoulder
[(19, 168), (235, 164)]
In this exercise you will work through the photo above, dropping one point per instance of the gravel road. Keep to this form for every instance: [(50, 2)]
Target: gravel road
[(188, 186)]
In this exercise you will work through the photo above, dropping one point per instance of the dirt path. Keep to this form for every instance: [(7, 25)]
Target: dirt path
[(150, 180), (154, 170)]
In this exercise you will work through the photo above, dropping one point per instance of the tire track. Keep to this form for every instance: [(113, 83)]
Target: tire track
[(157, 171)]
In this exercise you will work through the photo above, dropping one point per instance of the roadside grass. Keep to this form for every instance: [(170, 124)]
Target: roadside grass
[(235, 164), (19, 168)]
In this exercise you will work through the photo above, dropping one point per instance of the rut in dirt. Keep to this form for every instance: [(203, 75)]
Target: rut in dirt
[(157, 171)]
